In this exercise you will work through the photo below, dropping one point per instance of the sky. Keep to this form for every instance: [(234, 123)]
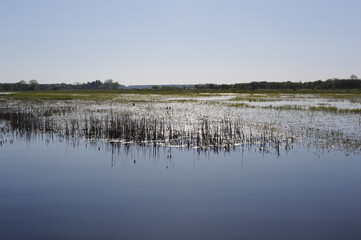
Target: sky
[(180, 41)]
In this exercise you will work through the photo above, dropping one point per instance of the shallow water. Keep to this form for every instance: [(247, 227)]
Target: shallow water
[(59, 189)]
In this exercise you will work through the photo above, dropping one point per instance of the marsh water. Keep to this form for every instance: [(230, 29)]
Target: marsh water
[(291, 174), (51, 189)]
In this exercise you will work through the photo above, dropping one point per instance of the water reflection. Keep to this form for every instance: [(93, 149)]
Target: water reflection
[(118, 152), (64, 188), (131, 154)]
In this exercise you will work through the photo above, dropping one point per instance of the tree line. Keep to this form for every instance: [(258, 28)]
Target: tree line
[(34, 85), (351, 83)]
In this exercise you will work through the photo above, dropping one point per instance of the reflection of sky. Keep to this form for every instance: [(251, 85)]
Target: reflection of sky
[(54, 190)]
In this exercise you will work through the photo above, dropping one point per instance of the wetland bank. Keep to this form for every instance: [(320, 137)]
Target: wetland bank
[(91, 165)]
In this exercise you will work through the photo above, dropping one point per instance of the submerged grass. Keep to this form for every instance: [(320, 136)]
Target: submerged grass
[(266, 97), (342, 95), (182, 101), (335, 110), (314, 108), (285, 107), (324, 109), (240, 105)]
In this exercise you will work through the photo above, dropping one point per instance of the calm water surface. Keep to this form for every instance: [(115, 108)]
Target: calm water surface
[(56, 190)]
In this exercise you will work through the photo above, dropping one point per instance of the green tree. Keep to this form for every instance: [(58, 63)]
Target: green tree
[(353, 77), (33, 84)]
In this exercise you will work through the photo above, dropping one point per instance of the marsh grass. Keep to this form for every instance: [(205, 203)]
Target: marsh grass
[(250, 96), (342, 95), (335, 110), (324, 109), (55, 95), (183, 101), (285, 107), (127, 128), (148, 118), (240, 105), (256, 98)]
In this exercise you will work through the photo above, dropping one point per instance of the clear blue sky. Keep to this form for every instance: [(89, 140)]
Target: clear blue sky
[(164, 42)]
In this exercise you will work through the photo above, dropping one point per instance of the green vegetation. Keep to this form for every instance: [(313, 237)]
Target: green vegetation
[(266, 97), (182, 100), (62, 95), (323, 108), (240, 105), (285, 107), (145, 95), (334, 110)]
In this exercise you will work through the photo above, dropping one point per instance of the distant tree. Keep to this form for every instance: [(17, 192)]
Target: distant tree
[(108, 81), (110, 84), (353, 77), (94, 85), (33, 84), (20, 86)]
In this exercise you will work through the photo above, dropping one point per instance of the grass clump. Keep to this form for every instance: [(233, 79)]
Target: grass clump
[(324, 109), (335, 110), (240, 105), (357, 110), (285, 107), (183, 101), (254, 98)]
